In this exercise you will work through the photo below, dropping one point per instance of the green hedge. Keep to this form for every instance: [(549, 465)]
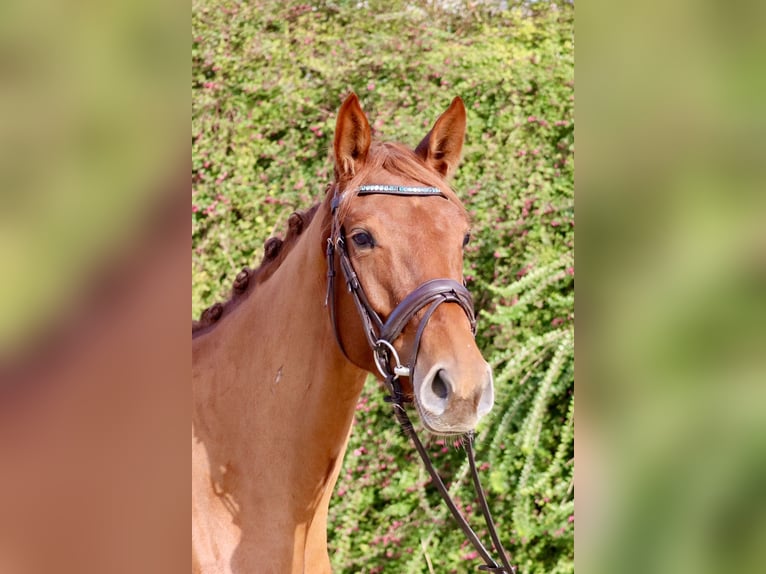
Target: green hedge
[(267, 80)]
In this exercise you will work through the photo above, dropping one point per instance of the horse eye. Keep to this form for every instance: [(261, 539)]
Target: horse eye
[(466, 239), (363, 239)]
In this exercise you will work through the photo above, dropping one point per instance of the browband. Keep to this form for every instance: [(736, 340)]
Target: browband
[(403, 190), (399, 190)]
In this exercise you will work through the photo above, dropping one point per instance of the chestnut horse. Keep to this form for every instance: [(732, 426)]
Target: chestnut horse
[(275, 391)]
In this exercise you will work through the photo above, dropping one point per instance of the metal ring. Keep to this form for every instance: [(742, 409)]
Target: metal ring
[(399, 369)]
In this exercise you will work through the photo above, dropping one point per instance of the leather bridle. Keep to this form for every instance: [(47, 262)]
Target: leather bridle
[(381, 335)]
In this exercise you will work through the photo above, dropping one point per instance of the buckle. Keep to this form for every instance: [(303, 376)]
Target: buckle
[(381, 361)]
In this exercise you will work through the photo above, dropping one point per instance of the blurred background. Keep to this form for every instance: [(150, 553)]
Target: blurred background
[(671, 197), (267, 81)]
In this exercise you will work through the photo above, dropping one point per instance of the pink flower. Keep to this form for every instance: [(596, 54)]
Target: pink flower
[(371, 86)]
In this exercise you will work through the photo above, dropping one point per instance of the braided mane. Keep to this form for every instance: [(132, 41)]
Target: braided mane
[(274, 252)]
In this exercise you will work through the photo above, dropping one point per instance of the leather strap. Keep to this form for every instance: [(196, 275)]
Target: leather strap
[(329, 300), (448, 289), (490, 564)]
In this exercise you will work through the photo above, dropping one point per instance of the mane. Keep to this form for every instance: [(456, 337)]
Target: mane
[(392, 157), (274, 252)]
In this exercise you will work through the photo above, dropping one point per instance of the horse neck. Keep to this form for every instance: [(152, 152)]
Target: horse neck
[(272, 389)]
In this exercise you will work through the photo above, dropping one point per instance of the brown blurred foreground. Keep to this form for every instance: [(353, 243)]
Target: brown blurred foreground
[(93, 449), (94, 243)]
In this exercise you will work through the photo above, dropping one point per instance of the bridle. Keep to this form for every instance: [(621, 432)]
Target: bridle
[(381, 336)]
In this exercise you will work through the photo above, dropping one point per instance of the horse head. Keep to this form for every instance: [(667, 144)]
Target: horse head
[(402, 230)]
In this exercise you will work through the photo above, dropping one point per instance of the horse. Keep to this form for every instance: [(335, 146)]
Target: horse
[(279, 367)]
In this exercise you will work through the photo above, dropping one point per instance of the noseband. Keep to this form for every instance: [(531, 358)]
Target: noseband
[(381, 335)]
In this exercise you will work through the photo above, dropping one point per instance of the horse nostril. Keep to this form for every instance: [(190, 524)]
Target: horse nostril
[(439, 386)]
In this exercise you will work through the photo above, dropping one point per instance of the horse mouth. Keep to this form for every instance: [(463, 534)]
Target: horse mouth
[(434, 428)]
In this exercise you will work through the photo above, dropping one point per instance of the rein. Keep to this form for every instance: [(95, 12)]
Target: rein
[(381, 336)]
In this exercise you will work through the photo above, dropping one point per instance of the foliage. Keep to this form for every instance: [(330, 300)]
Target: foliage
[(267, 80)]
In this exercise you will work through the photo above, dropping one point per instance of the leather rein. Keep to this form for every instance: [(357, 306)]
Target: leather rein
[(381, 335)]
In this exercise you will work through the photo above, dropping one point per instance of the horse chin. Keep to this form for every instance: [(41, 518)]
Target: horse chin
[(435, 427)]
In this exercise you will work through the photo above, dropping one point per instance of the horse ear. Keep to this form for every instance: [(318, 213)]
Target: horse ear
[(441, 148), (352, 137)]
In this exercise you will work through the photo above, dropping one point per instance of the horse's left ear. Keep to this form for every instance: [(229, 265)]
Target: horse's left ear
[(441, 148), (352, 137)]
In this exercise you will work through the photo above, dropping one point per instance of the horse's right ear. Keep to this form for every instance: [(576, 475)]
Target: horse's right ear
[(352, 137)]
